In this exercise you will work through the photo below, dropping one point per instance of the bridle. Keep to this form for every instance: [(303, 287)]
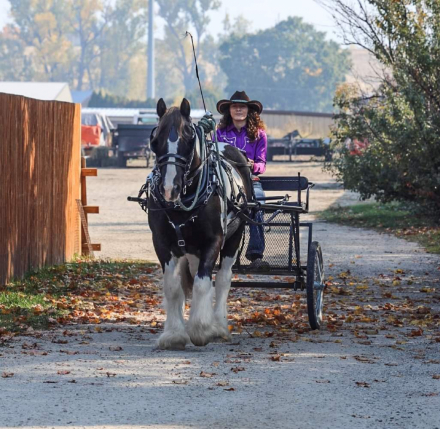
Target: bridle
[(178, 161)]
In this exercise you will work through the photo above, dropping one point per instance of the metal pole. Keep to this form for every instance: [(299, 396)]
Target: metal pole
[(150, 78)]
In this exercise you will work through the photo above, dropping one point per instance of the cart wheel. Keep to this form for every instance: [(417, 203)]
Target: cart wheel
[(315, 285), (122, 161)]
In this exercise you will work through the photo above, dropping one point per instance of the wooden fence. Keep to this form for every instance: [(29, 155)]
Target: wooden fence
[(40, 168)]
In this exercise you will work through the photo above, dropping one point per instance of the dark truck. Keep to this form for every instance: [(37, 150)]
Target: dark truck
[(293, 144), (132, 141)]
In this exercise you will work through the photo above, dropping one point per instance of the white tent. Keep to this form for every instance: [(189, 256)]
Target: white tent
[(58, 91)]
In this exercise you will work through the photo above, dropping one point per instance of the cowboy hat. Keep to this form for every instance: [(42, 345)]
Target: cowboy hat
[(239, 97)]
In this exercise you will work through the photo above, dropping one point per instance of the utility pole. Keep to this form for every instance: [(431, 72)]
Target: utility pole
[(150, 73)]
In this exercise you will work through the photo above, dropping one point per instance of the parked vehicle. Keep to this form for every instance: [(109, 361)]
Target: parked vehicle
[(146, 117), (96, 130), (293, 144), (132, 141)]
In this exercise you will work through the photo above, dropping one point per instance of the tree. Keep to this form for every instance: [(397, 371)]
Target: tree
[(401, 121), (180, 16), (289, 66), (122, 55), (43, 36), (88, 43), (15, 63), (88, 20)]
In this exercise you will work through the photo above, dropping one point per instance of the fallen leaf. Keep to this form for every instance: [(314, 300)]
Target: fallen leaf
[(362, 384), (238, 369), (436, 376), (180, 381), (222, 383), (7, 374), (207, 374), (63, 372), (363, 359), (115, 348), (416, 333), (231, 389)]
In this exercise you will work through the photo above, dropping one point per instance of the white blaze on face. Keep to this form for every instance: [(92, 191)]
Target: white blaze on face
[(170, 171)]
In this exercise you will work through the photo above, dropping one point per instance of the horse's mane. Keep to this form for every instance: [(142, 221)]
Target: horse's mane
[(173, 117)]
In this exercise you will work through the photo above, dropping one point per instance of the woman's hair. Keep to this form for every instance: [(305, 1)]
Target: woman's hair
[(254, 123)]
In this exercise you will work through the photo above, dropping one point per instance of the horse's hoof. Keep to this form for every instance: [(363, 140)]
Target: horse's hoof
[(222, 333), (173, 340), (201, 335)]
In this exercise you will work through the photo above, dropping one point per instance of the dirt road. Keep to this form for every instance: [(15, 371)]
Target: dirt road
[(381, 369)]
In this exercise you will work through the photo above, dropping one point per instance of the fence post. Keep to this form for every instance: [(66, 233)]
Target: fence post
[(85, 244)]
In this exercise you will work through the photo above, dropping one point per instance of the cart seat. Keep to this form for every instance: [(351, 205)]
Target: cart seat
[(283, 183)]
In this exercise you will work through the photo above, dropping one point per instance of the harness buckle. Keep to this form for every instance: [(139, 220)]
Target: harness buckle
[(181, 243)]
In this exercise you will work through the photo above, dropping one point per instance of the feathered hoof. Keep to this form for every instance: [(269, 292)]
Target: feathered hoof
[(222, 334), (201, 335), (173, 340)]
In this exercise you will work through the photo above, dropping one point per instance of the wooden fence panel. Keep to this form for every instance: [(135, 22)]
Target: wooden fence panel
[(40, 168)]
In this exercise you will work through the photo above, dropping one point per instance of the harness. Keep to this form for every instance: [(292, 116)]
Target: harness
[(210, 183)]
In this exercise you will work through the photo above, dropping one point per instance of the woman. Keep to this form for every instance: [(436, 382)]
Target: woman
[(241, 126)]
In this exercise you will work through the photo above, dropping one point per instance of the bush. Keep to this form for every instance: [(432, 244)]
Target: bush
[(400, 122)]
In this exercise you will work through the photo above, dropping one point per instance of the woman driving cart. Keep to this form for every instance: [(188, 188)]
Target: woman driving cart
[(241, 126)]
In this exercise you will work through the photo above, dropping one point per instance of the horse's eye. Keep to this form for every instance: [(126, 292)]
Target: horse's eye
[(153, 144)]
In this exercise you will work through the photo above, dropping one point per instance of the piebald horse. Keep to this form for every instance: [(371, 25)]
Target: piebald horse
[(188, 243)]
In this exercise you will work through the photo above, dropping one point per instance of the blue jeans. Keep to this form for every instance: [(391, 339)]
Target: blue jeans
[(256, 244)]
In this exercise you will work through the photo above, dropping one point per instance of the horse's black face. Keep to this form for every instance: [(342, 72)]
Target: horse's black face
[(173, 143)]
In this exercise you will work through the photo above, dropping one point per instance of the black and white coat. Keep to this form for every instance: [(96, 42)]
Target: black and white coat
[(191, 268)]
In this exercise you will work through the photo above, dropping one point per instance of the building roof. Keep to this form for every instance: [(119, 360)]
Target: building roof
[(58, 91), (82, 97), (114, 112)]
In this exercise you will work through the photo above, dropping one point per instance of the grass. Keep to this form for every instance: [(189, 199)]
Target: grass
[(57, 294), (393, 218)]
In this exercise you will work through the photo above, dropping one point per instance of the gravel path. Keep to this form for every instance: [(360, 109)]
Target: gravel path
[(369, 375)]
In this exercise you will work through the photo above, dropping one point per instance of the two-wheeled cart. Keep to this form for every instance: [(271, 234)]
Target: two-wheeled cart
[(282, 237)]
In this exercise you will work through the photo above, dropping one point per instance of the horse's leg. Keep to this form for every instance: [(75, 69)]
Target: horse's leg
[(174, 336), (187, 279), (201, 319), (223, 279)]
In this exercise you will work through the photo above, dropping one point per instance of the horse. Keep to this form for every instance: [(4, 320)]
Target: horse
[(188, 242)]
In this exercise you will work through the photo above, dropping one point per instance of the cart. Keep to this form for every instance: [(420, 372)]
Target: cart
[(282, 256)]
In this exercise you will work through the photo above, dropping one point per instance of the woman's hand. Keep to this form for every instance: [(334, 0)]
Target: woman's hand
[(207, 123)]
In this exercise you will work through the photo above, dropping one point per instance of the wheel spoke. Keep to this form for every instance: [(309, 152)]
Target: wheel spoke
[(318, 308)]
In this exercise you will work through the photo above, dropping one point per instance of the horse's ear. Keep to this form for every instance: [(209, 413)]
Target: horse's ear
[(161, 108), (185, 108)]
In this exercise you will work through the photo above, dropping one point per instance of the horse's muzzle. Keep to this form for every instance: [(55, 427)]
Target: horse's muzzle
[(171, 193)]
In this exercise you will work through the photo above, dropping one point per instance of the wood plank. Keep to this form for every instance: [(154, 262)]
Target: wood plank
[(89, 172), (91, 209)]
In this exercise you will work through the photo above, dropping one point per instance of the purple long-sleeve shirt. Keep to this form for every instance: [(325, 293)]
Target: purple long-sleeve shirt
[(255, 150)]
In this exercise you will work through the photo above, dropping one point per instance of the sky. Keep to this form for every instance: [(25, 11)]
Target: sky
[(262, 13), (266, 13)]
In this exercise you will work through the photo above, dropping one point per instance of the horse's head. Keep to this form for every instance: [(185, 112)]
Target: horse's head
[(174, 144)]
